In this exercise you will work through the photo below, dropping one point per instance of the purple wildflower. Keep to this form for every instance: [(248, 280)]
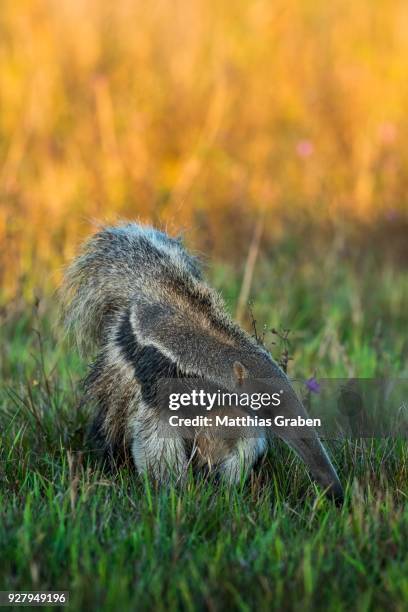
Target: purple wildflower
[(391, 215), (312, 385)]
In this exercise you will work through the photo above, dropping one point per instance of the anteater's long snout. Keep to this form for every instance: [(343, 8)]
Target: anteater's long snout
[(315, 457), (307, 445)]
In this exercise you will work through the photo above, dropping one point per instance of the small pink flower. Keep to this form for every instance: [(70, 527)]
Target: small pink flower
[(387, 132), (304, 148)]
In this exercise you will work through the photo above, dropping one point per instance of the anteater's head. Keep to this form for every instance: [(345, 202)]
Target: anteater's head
[(303, 440)]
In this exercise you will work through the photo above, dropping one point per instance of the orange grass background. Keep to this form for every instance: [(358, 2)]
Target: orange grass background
[(199, 115)]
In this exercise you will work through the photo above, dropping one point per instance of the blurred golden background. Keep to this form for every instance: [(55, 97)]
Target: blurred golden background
[(199, 115)]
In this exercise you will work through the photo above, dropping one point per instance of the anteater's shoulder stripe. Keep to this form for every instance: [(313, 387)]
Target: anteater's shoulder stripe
[(149, 364)]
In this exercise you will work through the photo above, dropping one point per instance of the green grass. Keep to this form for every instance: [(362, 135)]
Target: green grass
[(272, 543)]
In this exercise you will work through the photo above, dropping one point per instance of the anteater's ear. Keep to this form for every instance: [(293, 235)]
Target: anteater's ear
[(185, 339), (240, 372)]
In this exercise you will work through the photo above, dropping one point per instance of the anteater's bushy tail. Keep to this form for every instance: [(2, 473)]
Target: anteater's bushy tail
[(113, 266), (97, 284)]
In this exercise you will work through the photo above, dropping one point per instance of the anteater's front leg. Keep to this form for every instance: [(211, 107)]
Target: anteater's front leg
[(232, 458), (156, 448)]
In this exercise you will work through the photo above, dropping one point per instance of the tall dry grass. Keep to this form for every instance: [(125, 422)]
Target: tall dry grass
[(200, 114)]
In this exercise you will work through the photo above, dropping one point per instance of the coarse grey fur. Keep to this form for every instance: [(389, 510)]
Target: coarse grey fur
[(137, 299)]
